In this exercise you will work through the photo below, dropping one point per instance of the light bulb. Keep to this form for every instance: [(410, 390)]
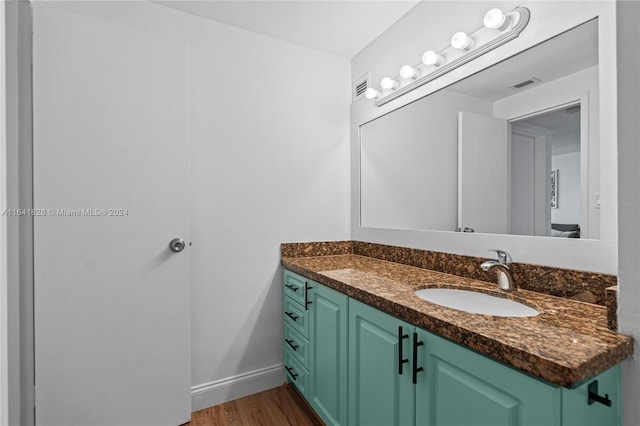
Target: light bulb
[(432, 58), (407, 71), (495, 19), (372, 93), (461, 41), (389, 83)]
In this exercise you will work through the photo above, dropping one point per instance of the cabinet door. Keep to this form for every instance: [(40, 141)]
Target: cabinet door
[(576, 410), (462, 387), (328, 327), (378, 393)]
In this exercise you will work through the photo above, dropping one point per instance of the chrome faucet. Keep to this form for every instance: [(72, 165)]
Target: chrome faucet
[(505, 280)]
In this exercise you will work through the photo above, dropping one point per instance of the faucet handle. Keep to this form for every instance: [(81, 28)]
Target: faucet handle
[(504, 257)]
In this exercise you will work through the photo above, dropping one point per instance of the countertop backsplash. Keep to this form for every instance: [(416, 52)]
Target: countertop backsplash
[(584, 286)]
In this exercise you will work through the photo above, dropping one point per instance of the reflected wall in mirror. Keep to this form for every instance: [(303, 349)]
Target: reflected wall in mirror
[(480, 153)]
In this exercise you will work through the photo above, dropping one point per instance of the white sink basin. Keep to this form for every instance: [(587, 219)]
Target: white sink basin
[(476, 302)]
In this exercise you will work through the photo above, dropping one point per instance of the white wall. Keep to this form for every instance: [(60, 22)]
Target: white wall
[(629, 206), (431, 24), (270, 163), (568, 187), (269, 142), (407, 178)]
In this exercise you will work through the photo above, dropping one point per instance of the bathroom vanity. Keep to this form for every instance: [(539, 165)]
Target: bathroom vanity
[(363, 349)]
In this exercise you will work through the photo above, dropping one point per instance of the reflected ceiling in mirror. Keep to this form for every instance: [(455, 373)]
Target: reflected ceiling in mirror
[(512, 149)]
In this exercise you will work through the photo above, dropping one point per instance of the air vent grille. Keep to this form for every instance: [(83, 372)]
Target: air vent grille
[(526, 83), (360, 86)]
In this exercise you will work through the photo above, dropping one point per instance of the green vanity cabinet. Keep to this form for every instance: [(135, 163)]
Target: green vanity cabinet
[(379, 392), (461, 387), (315, 345), (359, 366), (328, 372)]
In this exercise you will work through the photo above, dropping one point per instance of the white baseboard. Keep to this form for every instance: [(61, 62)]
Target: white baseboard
[(234, 387)]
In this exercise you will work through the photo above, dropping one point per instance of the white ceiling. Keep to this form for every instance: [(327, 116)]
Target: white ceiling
[(339, 27)]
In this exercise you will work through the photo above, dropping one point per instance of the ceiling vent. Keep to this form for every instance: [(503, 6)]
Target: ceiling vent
[(360, 86), (526, 83)]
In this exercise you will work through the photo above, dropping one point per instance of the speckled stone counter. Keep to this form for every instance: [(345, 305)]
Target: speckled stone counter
[(566, 343)]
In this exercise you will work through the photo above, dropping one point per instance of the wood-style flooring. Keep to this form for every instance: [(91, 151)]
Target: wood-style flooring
[(281, 406)]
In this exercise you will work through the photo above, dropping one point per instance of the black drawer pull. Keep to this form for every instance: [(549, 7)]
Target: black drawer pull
[(595, 397), (292, 287), (292, 316), (290, 342), (401, 359), (416, 369), (306, 296), (290, 371)]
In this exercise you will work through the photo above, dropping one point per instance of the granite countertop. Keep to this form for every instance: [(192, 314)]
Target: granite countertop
[(565, 344)]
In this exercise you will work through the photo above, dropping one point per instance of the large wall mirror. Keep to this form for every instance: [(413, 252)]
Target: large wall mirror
[(513, 149)]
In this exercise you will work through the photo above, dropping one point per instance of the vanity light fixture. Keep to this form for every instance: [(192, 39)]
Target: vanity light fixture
[(464, 47), (462, 41), (497, 20), (389, 83), (432, 58), (407, 71), (372, 93)]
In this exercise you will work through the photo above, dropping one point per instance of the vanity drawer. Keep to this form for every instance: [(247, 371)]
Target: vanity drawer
[(297, 344), (296, 373), (296, 316), (295, 286)]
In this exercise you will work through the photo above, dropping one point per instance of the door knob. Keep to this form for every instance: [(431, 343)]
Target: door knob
[(177, 245)]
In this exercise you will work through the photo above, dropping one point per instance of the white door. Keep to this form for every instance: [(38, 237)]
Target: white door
[(529, 201), (483, 158), (112, 321), (522, 219)]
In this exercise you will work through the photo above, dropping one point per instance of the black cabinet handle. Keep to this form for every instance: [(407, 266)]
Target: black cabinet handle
[(290, 342), (292, 316), (401, 360), (292, 287), (416, 369), (595, 397), (306, 296), (290, 371)]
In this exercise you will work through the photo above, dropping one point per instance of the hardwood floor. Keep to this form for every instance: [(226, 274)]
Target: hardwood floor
[(281, 406)]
